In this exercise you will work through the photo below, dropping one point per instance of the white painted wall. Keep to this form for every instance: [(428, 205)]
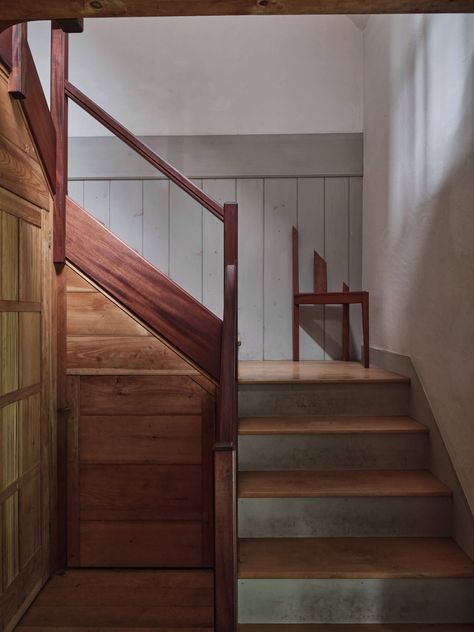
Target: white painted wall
[(418, 236), (217, 75)]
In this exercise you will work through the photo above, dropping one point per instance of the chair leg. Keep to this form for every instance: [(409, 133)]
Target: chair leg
[(365, 328), (296, 333), (345, 327)]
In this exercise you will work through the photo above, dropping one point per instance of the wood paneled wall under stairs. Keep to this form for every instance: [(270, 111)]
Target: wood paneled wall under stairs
[(27, 401), (140, 437)]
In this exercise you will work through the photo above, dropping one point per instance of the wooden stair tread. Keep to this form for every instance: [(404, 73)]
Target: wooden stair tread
[(329, 425), (357, 627), (352, 558), (339, 483), (313, 372)]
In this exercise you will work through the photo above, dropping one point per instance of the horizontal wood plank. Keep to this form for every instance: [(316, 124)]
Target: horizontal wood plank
[(67, 9), (139, 395), (143, 290), (140, 492), (124, 439), (11, 203), (130, 353), (145, 544), (93, 314)]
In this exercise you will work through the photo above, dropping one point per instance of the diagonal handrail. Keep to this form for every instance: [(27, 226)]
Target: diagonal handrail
[(143, 150)]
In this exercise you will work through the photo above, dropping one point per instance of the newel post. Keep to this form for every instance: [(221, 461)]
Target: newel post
[(59, 113), (225, 453)]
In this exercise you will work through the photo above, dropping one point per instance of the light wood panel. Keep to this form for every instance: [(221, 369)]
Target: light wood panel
[(338, 483), (156, 210), (309, 372), (318, 558), (9, 235), (126, 199)]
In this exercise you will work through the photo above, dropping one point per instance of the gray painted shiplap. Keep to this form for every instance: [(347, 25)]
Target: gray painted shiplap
[(171, 230), (311, 181)]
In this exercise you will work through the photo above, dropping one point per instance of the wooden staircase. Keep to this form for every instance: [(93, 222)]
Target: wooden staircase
[(341, 525)]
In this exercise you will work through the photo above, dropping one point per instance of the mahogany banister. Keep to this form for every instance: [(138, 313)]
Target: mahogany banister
[(17, 80), (59, 113), (143, 150)]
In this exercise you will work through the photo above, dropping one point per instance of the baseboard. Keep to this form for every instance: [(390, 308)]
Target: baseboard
[(440, 461)]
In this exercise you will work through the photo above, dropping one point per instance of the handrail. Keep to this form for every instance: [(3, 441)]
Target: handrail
[(143, 150)]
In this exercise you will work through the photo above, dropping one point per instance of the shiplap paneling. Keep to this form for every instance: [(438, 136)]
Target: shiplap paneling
[(279, 217), (175, 234), (336, 253), (156, 217), (186, 241), (213, 246), (311, 238), (250, 200), (126, 220)]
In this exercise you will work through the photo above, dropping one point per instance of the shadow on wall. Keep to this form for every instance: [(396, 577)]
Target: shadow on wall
[(421, 271)]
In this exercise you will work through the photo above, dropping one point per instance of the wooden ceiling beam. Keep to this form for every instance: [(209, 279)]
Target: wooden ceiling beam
[(70, 9)]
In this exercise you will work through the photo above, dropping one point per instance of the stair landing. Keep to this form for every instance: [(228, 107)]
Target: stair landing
[(313, 372)]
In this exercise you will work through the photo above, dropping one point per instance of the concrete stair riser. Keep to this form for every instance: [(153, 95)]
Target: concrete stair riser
[(323, 399), (344, 517), (338, 451), (356, 600)]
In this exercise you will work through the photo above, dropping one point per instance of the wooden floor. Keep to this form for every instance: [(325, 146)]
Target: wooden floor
[(312, 372), (354, 558), (129, 601)]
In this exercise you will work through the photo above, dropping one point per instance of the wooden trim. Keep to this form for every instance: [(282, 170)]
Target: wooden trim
[(143, 290), (331, 298), (20, 481), (145, 152), (59, 114), (18, 206), (74, 25), (73, 387), (18, 306), (6, 51), (21, 393), (207, 478), (67, 9), (17, 82), (225, 552), (25, 84)]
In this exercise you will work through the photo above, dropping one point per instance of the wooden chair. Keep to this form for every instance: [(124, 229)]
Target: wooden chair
[(321, 296)]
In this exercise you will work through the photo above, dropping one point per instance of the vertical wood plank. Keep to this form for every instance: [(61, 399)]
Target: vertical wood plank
[(355, 262), (30, 262), (186, 241), (279, 217), (126, 212), (9, 256), (29, 432), (207, 478), (73, 542), (311, 238), (9, 445), (97, 199), (156, 223), (212, 246), (10, 539), (29, 519), (251, 290), (75, 190), (30, 348), (9, 352), (337, 258)]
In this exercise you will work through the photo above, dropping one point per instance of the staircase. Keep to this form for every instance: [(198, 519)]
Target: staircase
[(340, 521)]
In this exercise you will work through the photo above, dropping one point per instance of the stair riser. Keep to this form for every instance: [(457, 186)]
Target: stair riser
[(323, 399), (319, 452), (344, 517), (356, 601)]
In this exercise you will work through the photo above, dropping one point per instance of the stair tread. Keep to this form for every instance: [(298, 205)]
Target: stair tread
[(352, 558), (329, 425), (313, 372), (360, 627), (339, 483)]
